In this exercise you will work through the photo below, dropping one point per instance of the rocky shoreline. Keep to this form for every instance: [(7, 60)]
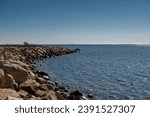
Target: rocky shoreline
[(20, 80)]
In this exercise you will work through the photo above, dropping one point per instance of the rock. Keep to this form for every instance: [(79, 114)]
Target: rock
[(51, 83), (13, 98), (27, 96), (5, 93), (9, 82), (31, 74), (43, 87), (50, 86), (40, 93), (44, 98), (19, 63), (40, 80), (46, 77), (29, 86), (46, 87), (22, 93), (1, 77), (53, 95), (2, 57), (19, 73), (64, 94), (28, 89), (77, 50), (62, 88), (76, 95), (14, 73), (41, 73), (71, 97), (56, 89), (83, 98), (90, 96), (59, 97), (34, 98)]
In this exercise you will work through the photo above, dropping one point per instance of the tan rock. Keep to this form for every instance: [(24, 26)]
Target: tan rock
[(1, 76), (22, 93), (50, 86), (51, 95), (32, 75), (5, 93), (19, 73), (43, 87), (46, 87), (28, 96), (40, 80), (13, 98), (29, 86), (34, 98), (54, 95), (19, 63), (44, 98), (9, 82), (40, 93)]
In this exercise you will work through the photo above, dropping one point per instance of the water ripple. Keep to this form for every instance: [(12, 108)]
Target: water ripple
[(108, 72)]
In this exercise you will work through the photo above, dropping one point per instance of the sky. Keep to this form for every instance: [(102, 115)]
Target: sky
[(75, 21)]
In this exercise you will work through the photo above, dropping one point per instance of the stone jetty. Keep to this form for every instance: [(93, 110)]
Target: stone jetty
[(20, 80)]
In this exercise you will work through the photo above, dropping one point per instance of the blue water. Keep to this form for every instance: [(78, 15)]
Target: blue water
[(104, 71)]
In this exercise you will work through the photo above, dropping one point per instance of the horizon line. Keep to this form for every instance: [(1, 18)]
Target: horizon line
[(79, 44)]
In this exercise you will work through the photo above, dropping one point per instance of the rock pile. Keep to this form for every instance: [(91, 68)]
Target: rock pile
[(28, 54), (19, 80)]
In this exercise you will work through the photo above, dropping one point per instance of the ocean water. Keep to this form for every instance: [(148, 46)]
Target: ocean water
[(104, 71)]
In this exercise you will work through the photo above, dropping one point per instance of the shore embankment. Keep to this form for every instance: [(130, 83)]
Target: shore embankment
[(19, 79)]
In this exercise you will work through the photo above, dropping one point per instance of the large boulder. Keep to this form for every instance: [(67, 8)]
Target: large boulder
[(5, 93), (19, 73), (29, 86), (7, 81)]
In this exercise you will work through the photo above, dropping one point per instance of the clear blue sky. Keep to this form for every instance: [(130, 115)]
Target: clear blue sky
[(75, 21)]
